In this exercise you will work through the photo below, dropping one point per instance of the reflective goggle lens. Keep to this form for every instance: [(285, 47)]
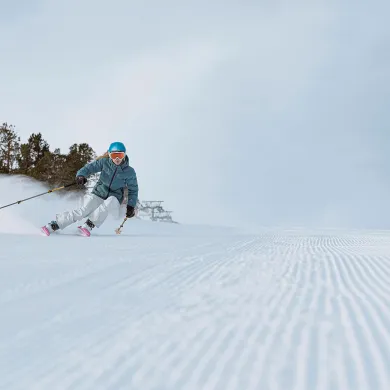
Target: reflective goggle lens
[(120, 155)]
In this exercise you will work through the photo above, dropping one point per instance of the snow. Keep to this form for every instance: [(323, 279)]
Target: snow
[(166, 306)]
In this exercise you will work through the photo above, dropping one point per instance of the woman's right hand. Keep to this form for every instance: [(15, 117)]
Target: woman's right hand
[(81, 180)]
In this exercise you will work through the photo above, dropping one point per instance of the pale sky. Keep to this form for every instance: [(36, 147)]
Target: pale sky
[(246, 113)]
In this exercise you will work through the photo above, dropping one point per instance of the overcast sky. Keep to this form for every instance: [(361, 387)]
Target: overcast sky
[(238, 112)]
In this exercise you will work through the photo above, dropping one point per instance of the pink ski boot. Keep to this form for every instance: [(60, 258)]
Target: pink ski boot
[(85, 230), (51, 227)]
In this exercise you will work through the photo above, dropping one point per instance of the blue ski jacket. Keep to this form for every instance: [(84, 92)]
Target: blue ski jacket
[(113, 179)]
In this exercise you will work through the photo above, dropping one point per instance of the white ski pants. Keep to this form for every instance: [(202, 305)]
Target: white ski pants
[(95, 208)]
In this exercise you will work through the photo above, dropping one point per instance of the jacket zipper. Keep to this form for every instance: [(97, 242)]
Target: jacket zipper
[(109, 187)]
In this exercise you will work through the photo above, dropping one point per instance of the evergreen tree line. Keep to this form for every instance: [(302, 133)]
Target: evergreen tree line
[(35, 159)]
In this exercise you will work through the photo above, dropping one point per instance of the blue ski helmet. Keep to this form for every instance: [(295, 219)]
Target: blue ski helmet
[(117, 147)]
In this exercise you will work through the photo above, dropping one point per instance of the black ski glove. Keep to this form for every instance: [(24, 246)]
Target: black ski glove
[(130, 212), (81, 180)]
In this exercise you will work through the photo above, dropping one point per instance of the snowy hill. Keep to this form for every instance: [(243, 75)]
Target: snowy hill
[(167, 306)]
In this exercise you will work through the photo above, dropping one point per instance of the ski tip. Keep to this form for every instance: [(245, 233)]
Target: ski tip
[(84, 232), (45, 231)]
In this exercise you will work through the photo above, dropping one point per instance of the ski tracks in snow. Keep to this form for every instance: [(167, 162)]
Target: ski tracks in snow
[(273, 311)]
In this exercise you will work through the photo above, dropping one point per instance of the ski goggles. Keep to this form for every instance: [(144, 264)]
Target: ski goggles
[(117, 155)]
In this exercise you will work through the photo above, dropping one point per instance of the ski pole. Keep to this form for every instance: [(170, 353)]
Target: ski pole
[(118, 231), (35, 196)]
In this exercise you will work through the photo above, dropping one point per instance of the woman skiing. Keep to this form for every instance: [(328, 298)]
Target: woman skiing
[(116, 174)]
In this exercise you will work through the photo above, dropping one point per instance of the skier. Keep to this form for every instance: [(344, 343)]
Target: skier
[(116, 174)]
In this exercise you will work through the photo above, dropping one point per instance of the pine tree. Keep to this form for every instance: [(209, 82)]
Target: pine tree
[(78, 156), (35, 159), (31, 153), (52, 169), (9, 148)]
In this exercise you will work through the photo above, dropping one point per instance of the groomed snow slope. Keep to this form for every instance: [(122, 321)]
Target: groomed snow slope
[(180, 307)]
